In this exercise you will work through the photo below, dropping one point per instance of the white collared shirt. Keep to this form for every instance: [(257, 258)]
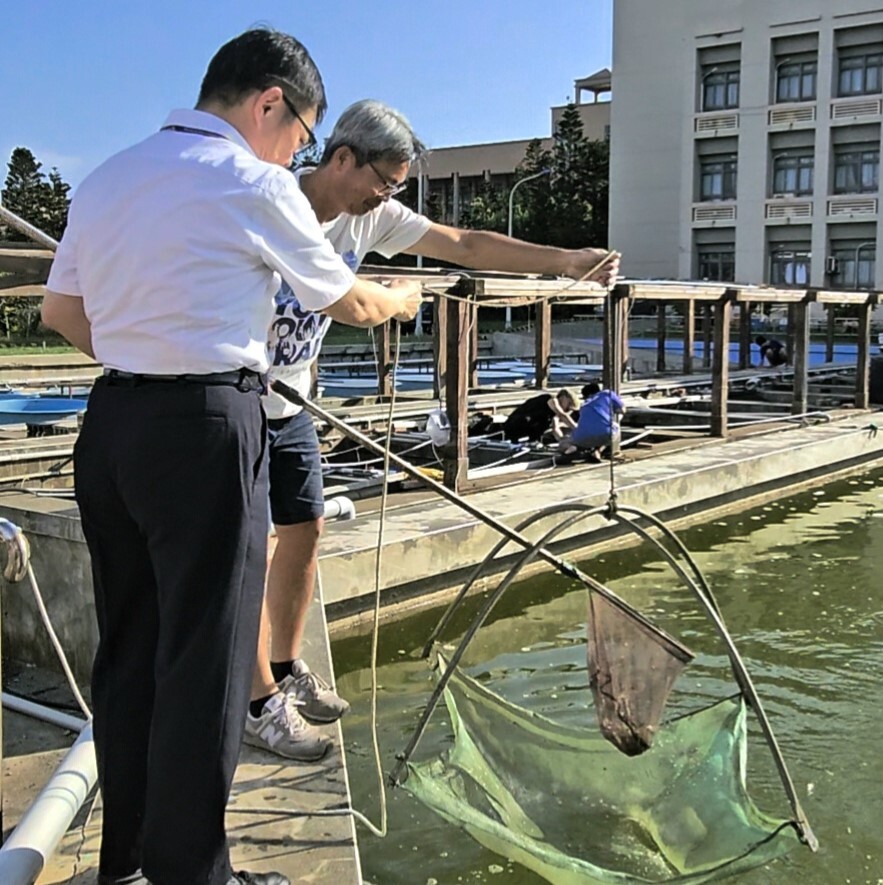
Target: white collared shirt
[(178, 244)]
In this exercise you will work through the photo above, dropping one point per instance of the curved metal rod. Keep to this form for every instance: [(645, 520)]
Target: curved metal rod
[(525, 557), (478, 571), (740, 671)]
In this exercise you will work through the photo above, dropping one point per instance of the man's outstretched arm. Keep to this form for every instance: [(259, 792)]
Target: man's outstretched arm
[(486, 250)]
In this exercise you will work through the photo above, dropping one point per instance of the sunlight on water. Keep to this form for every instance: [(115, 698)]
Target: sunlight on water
[(798, 583)]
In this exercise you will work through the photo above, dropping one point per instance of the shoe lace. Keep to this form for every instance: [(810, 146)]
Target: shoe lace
[(312, 683), (295, 724)]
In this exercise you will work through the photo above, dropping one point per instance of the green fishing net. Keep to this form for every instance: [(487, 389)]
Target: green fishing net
[(567, 804)]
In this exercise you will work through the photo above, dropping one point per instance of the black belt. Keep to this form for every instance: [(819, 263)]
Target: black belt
[(243, 379)]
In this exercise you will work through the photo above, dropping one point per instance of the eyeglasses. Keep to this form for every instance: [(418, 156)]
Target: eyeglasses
[(390, 188), (311, 136)]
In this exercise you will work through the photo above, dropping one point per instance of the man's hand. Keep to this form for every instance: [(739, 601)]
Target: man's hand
[(585, 259), (411, 293)]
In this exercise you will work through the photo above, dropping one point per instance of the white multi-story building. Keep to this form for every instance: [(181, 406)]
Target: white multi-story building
[(745, 140)]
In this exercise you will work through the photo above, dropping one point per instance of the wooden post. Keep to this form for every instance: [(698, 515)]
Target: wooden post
[(614, 336), (798, 334), (543, 342), (720, 371), (790, 343), (660, 336), (472, 317), (745, 310), (829, 336), (623, 311), (439, 343), (383, 356), (707, 310), (863, 363), (455, 457), (689, 335)]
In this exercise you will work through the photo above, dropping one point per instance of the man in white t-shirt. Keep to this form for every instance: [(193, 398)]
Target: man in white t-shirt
[(166, 275), (365, 163)]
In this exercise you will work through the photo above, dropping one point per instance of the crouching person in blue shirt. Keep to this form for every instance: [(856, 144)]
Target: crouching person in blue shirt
[(597, 426)]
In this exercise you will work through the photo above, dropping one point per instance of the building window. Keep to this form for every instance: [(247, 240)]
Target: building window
[(856, 171), (792, 174), (856, 265), (789, 266), (796, 81), (720, 89), (717, 263), (717, 178), (861, 74)]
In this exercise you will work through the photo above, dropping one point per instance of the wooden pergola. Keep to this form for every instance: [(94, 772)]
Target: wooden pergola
[(456, 336)]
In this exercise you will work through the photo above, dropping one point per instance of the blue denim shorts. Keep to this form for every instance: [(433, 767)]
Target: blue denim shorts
[(296, 494)]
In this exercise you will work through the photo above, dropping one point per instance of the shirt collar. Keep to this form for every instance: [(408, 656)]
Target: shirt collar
[(209, 122)]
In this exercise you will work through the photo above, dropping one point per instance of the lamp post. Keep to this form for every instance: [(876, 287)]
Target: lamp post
[(702, 80), (508, 323)]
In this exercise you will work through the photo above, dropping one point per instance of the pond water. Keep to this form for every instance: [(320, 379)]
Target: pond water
[(799, 584)]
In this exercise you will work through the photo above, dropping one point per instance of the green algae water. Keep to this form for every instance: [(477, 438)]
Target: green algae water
[(799, 585)]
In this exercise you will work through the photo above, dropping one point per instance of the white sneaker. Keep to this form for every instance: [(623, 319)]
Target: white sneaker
[(317, 700), (282, 730)]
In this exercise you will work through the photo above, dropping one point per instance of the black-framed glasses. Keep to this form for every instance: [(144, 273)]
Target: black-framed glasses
[(311, 136), (390, 188)]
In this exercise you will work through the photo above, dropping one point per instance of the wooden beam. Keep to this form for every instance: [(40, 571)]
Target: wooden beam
[(720, 372), (708, 311), (543, 343), (383, 357), (472, 318), (439, 344), (863, 362), (746, 308), (454, 454), (689, 336), (614, 337), (660, 336), (798, 322), (829, 332)]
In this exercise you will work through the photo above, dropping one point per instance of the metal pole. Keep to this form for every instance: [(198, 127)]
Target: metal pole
[(508, 324)]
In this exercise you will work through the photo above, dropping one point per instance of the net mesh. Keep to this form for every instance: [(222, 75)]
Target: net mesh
[(632, 668), (568, 805)]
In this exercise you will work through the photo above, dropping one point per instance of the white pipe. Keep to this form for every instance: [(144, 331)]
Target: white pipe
[(45, 714), (24, 854), (340, 507)]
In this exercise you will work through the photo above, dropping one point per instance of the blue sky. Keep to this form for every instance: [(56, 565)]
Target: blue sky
[(81, 79)]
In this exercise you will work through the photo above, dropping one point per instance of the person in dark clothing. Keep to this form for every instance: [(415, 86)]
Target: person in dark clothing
[(771, 351), (539, 414)]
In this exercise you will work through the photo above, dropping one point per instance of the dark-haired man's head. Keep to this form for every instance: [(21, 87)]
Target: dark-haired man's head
[(760, 341), (266, 85), (590, 389)]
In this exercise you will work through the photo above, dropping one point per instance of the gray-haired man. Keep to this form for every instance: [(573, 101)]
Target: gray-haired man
[(364, 165)]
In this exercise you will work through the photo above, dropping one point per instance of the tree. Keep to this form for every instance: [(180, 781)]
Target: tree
[(41, 202), (487, 210)]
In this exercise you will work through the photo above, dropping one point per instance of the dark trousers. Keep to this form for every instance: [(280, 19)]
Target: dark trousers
[(171, 481)]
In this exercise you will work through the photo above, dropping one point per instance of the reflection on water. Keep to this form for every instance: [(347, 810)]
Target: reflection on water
[(798, 582)]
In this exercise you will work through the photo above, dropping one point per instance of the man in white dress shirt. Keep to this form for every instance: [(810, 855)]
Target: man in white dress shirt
[(365, 163), (166, 274)]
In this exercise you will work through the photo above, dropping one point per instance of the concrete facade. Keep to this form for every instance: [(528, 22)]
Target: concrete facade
[(746, 141)]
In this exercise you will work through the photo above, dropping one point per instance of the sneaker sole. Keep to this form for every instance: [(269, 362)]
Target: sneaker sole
[(258, 744), (316, 720)]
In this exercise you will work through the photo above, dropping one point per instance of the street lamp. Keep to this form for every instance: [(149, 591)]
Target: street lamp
[(858, 249), (508, 324)]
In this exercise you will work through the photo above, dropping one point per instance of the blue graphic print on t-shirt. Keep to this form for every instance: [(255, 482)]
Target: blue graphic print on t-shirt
[(296, 333)]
